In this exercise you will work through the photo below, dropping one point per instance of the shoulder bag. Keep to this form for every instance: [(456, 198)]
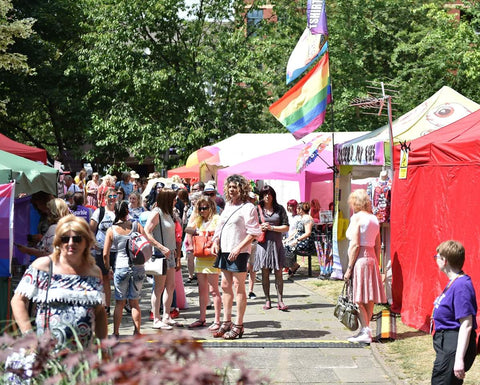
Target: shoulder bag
[(202, 244), (346, 310), (157, 264)]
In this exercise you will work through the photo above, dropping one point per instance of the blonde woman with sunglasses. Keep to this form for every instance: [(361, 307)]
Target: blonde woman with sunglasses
[(76, 315), (205, 220)]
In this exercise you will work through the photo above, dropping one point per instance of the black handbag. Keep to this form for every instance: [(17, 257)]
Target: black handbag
[(346, 310)]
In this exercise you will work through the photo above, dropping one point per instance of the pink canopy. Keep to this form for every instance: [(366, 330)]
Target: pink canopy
[(281, 165)]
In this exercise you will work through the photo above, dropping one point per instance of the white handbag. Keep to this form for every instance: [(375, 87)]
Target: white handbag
[(157, 264)]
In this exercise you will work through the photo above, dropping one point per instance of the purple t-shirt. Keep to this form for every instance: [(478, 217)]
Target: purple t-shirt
[(458, 301)]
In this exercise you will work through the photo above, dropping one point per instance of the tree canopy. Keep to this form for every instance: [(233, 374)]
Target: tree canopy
[(119, 78)]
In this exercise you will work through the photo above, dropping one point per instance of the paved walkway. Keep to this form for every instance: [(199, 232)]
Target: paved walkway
[(304, 345)]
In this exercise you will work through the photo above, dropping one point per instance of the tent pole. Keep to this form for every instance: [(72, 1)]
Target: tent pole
[(388, 98)]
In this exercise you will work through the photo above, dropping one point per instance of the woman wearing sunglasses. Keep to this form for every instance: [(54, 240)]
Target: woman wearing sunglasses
[(70, 314), (101, 220), (204, 220)]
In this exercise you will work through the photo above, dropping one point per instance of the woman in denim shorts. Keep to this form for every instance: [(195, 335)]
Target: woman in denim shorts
[(128, 278)]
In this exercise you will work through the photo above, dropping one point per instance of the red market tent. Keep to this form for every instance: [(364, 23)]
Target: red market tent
[(436, 202), (185, 172), (29, 152)]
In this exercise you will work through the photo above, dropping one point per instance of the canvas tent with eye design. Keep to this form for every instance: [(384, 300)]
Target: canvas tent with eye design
[(368, 155), (444, 107)]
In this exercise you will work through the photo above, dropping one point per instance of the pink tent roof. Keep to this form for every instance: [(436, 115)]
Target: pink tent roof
[(281, 165), (29, 152)]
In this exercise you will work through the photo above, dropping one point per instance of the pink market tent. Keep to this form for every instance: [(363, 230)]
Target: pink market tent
[(436, 202), (29, 152), (281, 165)]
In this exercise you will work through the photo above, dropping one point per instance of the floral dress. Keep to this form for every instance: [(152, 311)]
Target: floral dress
[(71, 303)]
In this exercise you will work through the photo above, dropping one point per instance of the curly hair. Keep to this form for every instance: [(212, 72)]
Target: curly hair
[(242, 184), (80, 227), (360, 201)]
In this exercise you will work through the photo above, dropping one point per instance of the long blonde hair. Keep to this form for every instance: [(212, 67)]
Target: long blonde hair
[(79, 226)]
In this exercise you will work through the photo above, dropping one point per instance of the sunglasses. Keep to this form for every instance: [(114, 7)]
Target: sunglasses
[(436, 256), (203, 208), (209, 194), (75, 238), (112, 196)]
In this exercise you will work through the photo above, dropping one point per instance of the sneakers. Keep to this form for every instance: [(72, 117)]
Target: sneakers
[(252, 295), (363, 337), (157, 324), (174, 313)]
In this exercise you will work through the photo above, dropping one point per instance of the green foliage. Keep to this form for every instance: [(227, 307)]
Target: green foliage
[(171, 358), (10, 30), (48, 108), (137, 78), (164, 80)]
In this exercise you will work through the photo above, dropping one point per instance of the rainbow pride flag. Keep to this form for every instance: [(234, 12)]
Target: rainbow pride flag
[(302, 109)]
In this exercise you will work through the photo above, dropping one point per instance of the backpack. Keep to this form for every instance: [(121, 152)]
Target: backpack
[(138, 248)]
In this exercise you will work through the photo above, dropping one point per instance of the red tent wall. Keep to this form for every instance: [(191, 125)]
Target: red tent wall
[(438, 201), (29, 152)]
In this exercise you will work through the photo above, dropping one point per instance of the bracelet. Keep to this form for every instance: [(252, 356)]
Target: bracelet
[(27, 332)]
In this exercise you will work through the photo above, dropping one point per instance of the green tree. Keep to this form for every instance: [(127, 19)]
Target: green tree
[(48, 107), (439, 51), (10, 30), (167, 75)]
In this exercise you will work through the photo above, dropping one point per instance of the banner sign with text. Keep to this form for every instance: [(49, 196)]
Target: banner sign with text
[(360, 153)]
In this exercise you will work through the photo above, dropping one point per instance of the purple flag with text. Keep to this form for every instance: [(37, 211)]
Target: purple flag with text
[(317, 17), (302, 109)]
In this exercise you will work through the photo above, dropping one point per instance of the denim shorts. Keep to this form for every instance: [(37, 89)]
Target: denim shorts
[(128, 282)]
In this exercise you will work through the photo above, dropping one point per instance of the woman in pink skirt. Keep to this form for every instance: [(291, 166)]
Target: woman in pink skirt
[(363, 256)]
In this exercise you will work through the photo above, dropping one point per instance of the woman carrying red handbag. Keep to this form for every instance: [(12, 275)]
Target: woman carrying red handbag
[(270, 254), (204, 220)]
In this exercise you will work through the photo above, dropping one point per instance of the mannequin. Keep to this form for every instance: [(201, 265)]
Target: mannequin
[(380, 194)]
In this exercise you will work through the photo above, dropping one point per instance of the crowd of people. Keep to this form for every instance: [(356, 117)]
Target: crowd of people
[(171, 216), (82, 237)]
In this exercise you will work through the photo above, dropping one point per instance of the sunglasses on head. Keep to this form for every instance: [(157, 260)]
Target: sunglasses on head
[(203, 208), (75, 238), (112, 196)]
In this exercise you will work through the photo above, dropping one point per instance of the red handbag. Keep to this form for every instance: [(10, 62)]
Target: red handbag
[(261, 237), (202, 244)]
